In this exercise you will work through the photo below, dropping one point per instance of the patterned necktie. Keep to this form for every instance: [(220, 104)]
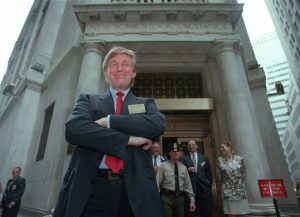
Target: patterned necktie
[(194, 159), (115, 164), (177, 188), (155, 161)]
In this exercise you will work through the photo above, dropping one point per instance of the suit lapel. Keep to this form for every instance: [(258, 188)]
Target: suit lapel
[(189, 160), (106, 104), (200, 160)]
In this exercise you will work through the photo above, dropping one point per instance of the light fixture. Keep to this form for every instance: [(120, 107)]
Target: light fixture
[(38, 67), (8, 90), (279, 89)]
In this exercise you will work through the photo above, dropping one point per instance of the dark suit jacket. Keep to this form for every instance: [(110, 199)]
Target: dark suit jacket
[(201, 181), (14, 190), (93, 141)]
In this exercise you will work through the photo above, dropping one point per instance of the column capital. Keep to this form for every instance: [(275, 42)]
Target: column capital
[(220, 46), (98, 48)]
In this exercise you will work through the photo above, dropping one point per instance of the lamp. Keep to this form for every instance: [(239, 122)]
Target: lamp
[(38, 67), (8, 90), (279, 89)]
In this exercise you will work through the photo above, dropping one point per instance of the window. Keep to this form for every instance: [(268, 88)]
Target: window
[(292, 4), (298, 131), (281, 20), (297, 57), (294, 97), (184, 85), (292, 38), (297, 16), (289, 147), (285, 138), (290, 13), (286, 31), (292, 157), (296, 114), (45, 132), (295, 167), (296, 26), (287, 25), (70, 149), (291, 43)]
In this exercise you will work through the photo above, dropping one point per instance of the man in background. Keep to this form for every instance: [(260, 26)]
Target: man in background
[(157, 158), (174, 182), (200, 173), (11, 200)]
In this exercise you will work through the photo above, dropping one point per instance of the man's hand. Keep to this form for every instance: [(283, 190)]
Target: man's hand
[(11, 204), (140, 141), (192, 169), (102, 122), (192, 207)]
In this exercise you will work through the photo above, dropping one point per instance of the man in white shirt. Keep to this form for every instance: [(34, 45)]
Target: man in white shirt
[(157, 158), (200, 173)]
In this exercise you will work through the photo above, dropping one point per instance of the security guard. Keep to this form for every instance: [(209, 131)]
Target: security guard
[(173, 180)]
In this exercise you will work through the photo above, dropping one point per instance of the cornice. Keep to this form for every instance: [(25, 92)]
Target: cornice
[(135, 12)]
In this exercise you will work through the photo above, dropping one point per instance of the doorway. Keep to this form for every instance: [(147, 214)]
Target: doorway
[(180, 129)]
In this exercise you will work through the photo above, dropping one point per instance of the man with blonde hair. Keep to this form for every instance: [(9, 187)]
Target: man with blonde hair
[(110, 173)]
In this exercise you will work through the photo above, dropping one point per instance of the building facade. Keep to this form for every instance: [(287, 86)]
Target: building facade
[(270, 55), (286, 18), (194, 59)]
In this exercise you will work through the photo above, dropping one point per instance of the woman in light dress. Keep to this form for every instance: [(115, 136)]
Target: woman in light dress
[(231, 172)]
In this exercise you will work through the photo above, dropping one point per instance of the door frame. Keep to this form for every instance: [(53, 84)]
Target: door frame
[(200, 133)]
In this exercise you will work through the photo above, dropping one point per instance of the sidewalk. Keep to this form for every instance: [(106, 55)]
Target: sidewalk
[(285, 211), (292, 211)]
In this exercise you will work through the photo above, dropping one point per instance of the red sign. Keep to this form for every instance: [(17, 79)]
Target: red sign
[(272, 188)]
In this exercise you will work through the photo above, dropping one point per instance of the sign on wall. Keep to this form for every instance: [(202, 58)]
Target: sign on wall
[(272, 188)]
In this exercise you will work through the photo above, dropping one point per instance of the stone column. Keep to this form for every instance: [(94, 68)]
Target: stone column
[(241, 121), (91, 78)]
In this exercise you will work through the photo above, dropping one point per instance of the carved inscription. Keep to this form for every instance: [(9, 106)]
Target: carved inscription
[(157, 28)]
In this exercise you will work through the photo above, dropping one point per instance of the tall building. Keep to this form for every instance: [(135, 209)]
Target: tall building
[(194, 59), (286, 17), (271, 57)]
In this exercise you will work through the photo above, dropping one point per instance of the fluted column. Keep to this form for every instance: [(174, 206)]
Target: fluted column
[(91, 78), (241, 122)]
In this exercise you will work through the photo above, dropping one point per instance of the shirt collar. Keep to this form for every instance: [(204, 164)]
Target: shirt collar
[(114, 92)]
